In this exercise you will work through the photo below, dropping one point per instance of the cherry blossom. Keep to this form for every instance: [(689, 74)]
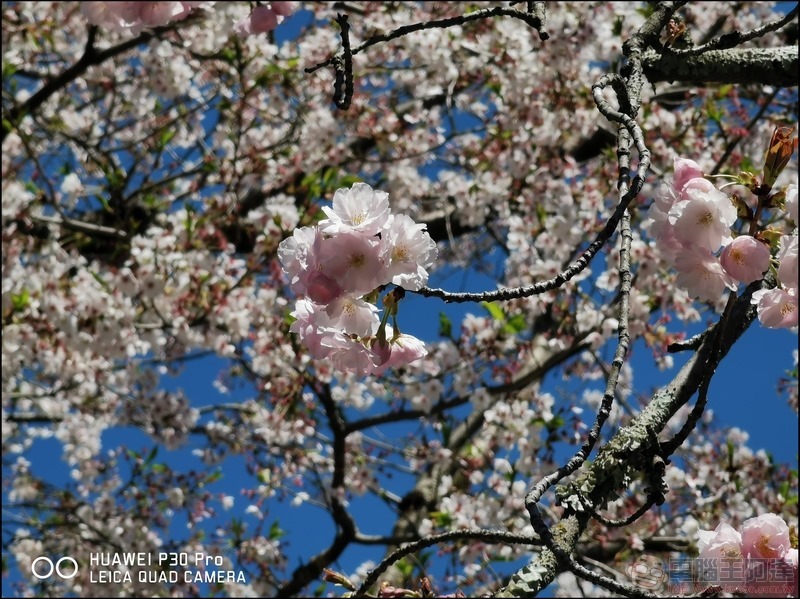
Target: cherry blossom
[(411, 252), (723, 542), (766, 536), (759, 559), (353, 261), (701, 274), (745, 259), (777, 308), (704, 219), (358, 209), (684, 170)]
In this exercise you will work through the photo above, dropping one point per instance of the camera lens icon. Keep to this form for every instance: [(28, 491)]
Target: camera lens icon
[(57, 568)]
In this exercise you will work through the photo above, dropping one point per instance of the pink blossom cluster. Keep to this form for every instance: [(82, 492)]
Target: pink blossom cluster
[(265, 17), (340, 264), (119, 16), (758, 559), (691, 221)]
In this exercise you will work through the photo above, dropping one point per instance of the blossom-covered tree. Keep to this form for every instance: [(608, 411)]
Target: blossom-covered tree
[(274, 189)]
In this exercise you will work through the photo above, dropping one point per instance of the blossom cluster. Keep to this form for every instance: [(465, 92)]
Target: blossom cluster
[(691, 222), (341, 264), (755, 558), (119, 16), (134, 16)]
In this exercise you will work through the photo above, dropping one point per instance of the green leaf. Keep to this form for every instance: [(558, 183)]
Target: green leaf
[(237, 528), (441, 518), (494, 310), (541, 214), (212, 478), (515, 324), (115, 177), (166, 137), (228, 55), (405, 566), (445, 326), (275, 531), (8, 69), (21, 300)]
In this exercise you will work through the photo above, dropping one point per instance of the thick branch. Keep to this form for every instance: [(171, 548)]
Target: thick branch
[(765, 66)]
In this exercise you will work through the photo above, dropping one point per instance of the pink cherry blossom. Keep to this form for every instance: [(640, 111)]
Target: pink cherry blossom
[(662, 231), (722, 542), (701, 274), (294, 251), (664, 198), (359, 208), (766, 536), (777, 308), (411, 252), (787, 262), (704, 220), (745, 259), (300, 256), (684, 169), (698, 185), (311, 325), (350, 355), (354, 316), (721, 550), (405, 349), (355, 262)]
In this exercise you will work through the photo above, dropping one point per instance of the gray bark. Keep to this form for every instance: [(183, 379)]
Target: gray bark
[(763, 66)]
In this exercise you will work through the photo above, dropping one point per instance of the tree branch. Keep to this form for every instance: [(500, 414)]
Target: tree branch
[(765, 66)]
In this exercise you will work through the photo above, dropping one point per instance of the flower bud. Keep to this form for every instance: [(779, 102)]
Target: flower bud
[(781, 148)]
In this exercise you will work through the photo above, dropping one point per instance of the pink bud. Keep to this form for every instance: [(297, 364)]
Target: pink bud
[(263, 19), (321, 288), (282, 8)]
